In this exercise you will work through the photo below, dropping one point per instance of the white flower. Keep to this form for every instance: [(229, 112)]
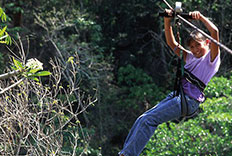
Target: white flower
[(34, 64)]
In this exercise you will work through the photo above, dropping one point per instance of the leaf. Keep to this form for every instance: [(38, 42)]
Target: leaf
[(1, 11), (8, 39), (2, 15), (2, 31), (43, 73), (34, 78), (13, 67), (17, 63), (4, 42), (70, 59), (33, 71)]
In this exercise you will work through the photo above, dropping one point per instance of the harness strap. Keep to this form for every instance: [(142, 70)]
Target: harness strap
[(184, 105), (194, 80), (178, 88)]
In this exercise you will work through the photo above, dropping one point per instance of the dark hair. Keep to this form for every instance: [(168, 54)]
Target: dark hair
[(196, 36)]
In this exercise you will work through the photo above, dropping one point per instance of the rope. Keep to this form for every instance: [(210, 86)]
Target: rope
[(179, 75)]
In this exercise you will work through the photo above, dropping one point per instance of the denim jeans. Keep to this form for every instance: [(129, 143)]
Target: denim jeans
[(146, 124)]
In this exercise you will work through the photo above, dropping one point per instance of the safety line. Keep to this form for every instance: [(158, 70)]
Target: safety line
[(168, 5)]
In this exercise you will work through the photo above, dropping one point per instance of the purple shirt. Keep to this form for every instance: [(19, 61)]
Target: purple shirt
[(203, 69)]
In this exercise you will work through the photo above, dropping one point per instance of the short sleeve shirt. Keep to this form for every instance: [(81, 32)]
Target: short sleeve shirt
[(203, 69)]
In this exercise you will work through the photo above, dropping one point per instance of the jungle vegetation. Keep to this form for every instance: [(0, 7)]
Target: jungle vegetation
[(97, 65)]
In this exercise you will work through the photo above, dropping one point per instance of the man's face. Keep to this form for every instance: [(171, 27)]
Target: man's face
[(198, 48)]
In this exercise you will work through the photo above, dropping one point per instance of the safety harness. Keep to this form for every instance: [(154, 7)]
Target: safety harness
[(194, 80), (178, 90), (182, 73)]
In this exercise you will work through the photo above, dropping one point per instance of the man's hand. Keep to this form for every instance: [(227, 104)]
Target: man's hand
[(196, 15), (169, 12)]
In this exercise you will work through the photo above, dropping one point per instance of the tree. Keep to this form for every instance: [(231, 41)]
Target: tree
[(36, 113), (37, 118)]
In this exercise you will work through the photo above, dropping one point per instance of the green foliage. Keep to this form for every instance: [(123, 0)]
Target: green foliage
[(115, 29), (89, 26), (47, 110), (4, 36), (32, 69), (83, 146), (133, 93), (219, 86), (209, 134), (2, 15), (74, 32), (138, 88), (121, 20), (15, 6)]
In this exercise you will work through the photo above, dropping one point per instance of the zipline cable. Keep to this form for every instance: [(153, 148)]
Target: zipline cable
[(170, 7), (205, 34), (199, 30)]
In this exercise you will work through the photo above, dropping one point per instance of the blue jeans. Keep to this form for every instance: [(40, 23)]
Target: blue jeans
[(146, 124)]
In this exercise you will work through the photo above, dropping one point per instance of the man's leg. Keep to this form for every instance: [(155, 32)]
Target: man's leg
[(147, 123)]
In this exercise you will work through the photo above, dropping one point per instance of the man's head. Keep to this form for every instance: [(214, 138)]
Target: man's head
[(197, 44)]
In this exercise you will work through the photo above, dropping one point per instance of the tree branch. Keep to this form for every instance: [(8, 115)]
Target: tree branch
[(10, 74), (12, 86)]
